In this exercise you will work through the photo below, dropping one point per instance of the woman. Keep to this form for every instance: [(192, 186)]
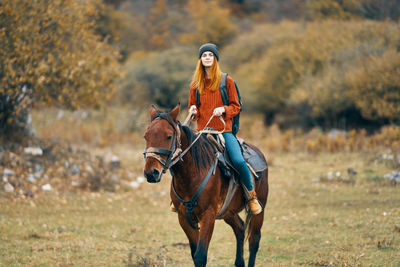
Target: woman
[(206, 79)]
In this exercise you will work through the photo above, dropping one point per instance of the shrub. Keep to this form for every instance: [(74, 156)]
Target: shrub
[(317, 71), (161, 78)]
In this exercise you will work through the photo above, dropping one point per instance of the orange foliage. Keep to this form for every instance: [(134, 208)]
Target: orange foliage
[(52, 48), (211, 23)]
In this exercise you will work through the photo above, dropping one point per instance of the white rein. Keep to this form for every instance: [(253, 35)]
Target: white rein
[(178, 157)]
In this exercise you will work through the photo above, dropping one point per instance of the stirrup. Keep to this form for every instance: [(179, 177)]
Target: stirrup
[(172, 207), (248, 209)]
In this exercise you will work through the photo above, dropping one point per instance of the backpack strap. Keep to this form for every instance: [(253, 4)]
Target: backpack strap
[(238, 95), (198, 97), (222, 89)]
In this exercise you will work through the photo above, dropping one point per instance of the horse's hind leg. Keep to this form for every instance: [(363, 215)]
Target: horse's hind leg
[(238, 228), (255, 236)]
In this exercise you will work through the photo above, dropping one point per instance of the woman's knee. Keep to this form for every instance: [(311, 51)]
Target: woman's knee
[(238, 161)]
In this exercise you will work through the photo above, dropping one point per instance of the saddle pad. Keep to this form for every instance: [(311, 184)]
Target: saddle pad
[(253, 158)]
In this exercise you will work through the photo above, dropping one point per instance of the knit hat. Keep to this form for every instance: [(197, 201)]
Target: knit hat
[(209, 47)]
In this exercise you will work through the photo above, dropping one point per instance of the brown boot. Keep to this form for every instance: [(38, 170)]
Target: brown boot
[(254, 205), (172, 207)]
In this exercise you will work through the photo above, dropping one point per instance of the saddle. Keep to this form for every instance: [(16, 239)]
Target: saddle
[(254, 161)]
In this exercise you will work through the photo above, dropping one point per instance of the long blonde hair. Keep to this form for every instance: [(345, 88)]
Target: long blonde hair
[(199, 81)]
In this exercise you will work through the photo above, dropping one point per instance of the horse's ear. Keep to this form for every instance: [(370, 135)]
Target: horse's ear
[(153, 112), (175, 112)]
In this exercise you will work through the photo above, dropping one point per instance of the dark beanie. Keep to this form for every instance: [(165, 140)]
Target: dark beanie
[(209, 47)]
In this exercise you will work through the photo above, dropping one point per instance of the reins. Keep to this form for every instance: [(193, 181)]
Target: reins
[(204, 130), (175, 154), (192, 203)]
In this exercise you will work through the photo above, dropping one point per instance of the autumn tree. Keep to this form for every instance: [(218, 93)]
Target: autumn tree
[(121, 29), (380, 9), (346, 9), (331, 9), (158, 26), (375, 87), (330, 73), (208, 22), (49, 53), (161, 78)]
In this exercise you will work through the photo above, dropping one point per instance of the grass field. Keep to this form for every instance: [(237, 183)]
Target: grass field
[(308, 222)]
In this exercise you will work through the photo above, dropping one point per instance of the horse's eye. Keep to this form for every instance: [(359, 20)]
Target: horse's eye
[(169, 137)]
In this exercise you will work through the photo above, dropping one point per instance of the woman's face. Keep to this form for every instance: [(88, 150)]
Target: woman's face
[(207, 59)]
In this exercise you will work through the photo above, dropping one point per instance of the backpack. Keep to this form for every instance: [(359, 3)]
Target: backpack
[(225, 101)]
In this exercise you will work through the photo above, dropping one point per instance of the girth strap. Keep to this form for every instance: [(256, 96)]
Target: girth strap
[(233, 185), (191, 204)]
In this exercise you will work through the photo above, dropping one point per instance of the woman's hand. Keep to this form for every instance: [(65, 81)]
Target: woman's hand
[(193, 109), (218, 111)]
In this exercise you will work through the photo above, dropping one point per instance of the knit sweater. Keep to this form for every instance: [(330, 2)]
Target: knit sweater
[(210, 100)]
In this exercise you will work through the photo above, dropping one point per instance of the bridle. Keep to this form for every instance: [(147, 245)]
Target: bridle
[(175, 150), (175, 153)]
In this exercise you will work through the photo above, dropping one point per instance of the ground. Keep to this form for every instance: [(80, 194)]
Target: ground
[(311, 219)]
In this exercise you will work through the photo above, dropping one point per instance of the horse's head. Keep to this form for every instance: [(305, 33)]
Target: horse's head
[(162, 142)]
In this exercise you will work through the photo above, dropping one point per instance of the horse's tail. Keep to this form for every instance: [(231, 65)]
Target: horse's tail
[(247, 226)]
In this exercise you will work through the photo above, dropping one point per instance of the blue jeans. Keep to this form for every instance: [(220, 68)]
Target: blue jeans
[(235, 153)]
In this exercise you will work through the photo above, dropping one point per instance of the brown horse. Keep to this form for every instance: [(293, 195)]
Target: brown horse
[(198, 189)]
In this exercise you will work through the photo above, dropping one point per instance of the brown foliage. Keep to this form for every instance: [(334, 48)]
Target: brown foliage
[(210, 23), (322, 72), (376, 86), (50, 47)]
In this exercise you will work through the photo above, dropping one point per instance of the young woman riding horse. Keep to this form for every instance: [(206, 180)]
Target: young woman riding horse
[(198, 188), (206, 79)]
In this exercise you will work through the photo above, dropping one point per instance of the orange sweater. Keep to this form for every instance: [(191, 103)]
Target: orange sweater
[(211, 100)]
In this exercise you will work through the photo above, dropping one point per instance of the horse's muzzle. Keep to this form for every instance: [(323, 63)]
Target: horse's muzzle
[(153, 177)]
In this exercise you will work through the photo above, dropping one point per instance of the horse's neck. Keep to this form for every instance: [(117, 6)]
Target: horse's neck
[(186, 175)]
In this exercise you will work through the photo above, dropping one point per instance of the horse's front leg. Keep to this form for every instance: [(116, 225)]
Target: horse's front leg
[(192, 234), (206, 230)]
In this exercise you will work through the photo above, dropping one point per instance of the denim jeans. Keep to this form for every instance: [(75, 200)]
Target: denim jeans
[(235, 153)]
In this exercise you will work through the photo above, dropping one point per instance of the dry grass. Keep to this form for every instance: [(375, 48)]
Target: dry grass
[(309, 221), (118, 125), (90, 127), (306, 224)]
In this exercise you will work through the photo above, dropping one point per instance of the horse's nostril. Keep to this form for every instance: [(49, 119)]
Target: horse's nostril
[(155, 173), (152, 176)]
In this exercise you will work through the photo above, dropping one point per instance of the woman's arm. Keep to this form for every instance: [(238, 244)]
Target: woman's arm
[(192, 101)]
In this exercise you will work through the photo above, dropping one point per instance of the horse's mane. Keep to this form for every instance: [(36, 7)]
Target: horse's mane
[(202, 151)]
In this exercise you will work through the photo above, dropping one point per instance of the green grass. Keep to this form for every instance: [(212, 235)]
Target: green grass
[(306, 223)]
